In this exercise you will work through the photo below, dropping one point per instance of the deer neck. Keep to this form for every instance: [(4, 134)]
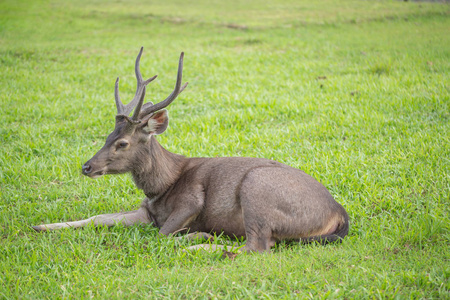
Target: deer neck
[(157, 169)]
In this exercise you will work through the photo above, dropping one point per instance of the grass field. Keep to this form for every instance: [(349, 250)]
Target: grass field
[(355, 93)]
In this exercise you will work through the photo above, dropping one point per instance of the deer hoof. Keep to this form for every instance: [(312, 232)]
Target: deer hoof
[(229, 255), (205, 236), (38, 228)]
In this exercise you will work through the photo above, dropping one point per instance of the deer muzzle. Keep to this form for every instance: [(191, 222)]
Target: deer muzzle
[(88, 170)]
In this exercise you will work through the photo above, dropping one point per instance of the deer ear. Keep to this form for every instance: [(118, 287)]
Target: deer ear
[(156, 123)]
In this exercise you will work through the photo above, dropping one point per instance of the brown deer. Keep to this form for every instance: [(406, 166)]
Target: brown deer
[(262, 200)]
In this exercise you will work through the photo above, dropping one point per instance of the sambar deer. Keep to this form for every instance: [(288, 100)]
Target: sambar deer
[(262, 200)]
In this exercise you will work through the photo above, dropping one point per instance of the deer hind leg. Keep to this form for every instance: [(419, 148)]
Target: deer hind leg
[(260, 244), (259, 238), (126, 218), (195, 236), (258, 230), (229, 251)]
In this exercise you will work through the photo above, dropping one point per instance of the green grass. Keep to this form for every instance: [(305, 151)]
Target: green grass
[(356, 93)]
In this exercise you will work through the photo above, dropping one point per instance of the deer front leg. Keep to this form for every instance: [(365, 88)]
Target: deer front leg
[(179, 219), (185, 208), (126, 218)]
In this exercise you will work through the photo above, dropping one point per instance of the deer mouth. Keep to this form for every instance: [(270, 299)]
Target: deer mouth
[(87, 170), (97, 174)]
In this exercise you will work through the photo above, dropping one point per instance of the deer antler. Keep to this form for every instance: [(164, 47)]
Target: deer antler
[(140, 90), (149, 107)]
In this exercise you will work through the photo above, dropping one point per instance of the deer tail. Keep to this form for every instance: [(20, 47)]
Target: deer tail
[(336, 236)]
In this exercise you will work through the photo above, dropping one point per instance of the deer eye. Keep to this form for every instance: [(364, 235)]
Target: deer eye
[(122, 144)]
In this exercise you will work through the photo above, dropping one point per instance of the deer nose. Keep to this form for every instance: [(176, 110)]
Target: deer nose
[(86, 169)]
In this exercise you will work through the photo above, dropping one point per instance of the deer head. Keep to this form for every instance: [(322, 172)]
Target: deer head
[(129, 140)]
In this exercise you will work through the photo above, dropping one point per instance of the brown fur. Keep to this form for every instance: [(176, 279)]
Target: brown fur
[(260, 199)]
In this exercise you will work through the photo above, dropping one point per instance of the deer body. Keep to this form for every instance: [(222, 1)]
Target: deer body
[(260, 199)]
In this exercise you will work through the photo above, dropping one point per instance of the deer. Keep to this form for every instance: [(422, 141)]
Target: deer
[(260, 200)]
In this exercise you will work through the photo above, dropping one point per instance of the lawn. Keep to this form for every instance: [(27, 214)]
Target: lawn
[(355, 93)]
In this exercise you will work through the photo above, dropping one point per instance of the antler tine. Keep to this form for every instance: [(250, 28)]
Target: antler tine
[(140, 87), (178, 89), (119, 104), (135, 117)]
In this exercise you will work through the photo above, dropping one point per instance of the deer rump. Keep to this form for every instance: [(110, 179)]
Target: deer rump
[(262, 200)]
